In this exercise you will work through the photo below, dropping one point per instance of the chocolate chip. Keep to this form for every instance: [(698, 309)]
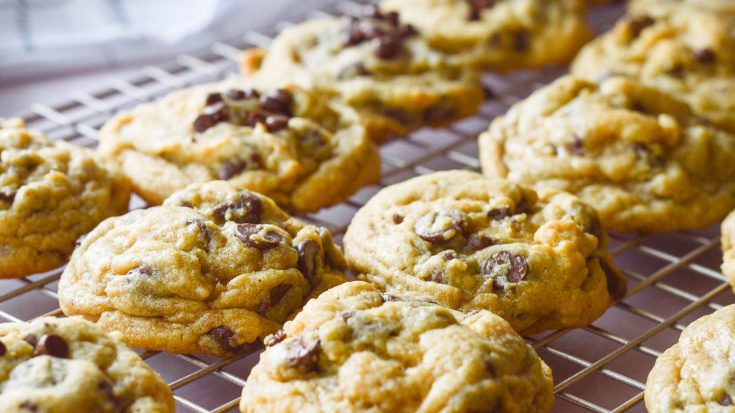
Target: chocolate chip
[(704, 56), (274, 123), (439, 227), (3, 349), (258, 237), (439, 114), (7, 196), (212, 115), (309, 253), (615, 287), (638, 23), (477, 242), (523, 206), (397, 218), (499, 213), (232, 168), (274, 297), (31, 339), (224, 336), (386, 47), (247, 209), (213, 98), (477, 6), (238, 94), (304, 355), (505, 267), (406, 30), (278, 101), (521, 41), (203, 122), (725, 400), (30, 406), (205, 233), (275, 338), (576, 146), (255, 117), (52, 345)]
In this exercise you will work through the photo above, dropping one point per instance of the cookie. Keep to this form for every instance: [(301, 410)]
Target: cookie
[(378, 65), (355, 349), (694, 375), (639, 156), (723, 8), (51, 192), (537, 260), (68, 365), (302, 150), (687, 51), (210, 271), (728, 248), (500, 35)]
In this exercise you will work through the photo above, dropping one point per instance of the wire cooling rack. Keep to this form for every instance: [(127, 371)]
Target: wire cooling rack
[(674, 278)]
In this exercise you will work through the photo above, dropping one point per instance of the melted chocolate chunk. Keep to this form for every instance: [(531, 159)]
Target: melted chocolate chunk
[(3, 349), (304, 355), (387, 47), (615, 287), (255, 117), (439, 227), (275, 338), (274, 123), (52, 345), (212, 115), (638, 23), (7, 196), (505, 267), (477, 6), (247, 209), (231, 168), (523, 206), (30, 406), (397, 218), (225, 337), (258, 237), (238, 94), (204, 230), (274, 297), (704, 56), (477, 242), (448, 255), (384, 30), (278, 101), (213, 98), (308, 264), (499, 213)]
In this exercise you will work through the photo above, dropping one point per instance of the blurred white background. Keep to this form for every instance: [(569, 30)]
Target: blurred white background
[(51, 48)]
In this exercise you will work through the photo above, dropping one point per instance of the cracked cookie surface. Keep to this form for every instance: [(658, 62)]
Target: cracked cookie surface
[(377, 64), (300, 149), (687, 50), (537, 260), (643, 159), (356, 349), (210, 271), (694, 375), (68, 365), (51, 193), (500, 35)]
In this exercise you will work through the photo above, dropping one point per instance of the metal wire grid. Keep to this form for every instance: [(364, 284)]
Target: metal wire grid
[(674, 278)]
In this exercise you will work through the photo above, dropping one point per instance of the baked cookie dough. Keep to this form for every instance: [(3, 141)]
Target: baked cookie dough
[(378, 65), (297, 147), (687, 51), (639, 156), (51, 192), (540, 261), (695, 374), (355, 349), (500, 35), (68, 365), (728, 248), (210, 271)]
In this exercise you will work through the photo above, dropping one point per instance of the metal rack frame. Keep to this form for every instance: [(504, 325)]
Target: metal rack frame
[(674, 278)]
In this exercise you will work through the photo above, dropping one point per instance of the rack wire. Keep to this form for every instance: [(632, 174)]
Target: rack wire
[(674, 278)]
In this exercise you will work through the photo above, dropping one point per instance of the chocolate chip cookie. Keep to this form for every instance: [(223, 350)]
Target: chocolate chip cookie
[(378, 65), (728, 248), (500, 35), (687, 51), (50, 194), (304, 151), (68, 365), (695, 375), (359, 350), (641, 157), (537, 260), (210, 271)]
